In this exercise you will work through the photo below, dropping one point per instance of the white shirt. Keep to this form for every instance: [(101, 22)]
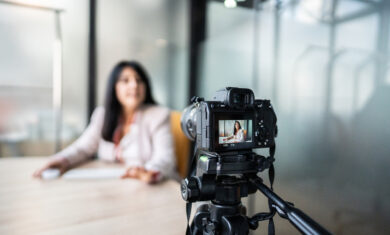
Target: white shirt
[(149, 143)]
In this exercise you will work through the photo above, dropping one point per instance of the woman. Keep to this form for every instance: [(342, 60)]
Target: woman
[(238, 133), (130, 129)]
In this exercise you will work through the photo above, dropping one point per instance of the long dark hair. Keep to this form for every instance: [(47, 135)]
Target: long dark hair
[(234, 127), (112, 106)]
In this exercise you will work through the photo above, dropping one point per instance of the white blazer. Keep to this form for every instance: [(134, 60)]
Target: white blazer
[(149, 143), (239, 136)]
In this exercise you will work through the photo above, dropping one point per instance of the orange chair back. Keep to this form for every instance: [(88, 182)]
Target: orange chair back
[(182, 144)]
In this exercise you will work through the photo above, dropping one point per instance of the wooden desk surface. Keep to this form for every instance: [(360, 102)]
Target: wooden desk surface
[(32, 206)]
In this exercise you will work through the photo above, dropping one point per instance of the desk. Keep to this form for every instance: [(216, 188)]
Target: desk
[(33, 206)]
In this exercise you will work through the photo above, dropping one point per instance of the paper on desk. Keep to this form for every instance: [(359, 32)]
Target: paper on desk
[(100, 173)]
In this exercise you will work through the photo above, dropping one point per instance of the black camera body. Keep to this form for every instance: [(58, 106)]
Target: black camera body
[(227, 129), (216, 122)]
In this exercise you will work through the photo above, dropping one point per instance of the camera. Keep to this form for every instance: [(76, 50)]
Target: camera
[(224, 167), (232, 120), (227, 128)]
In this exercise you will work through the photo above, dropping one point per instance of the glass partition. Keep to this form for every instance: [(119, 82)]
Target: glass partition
[(324, 65), (39, 44), (153, 32)]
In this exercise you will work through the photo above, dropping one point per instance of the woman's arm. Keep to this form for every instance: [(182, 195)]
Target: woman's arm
[(87, 144), (84, 147), (163, 153)]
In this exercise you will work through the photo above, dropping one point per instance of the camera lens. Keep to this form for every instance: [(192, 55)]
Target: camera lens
[(188, 122)]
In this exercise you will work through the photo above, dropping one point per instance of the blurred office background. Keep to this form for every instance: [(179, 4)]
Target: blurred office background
[(152, 32), (323, 63)]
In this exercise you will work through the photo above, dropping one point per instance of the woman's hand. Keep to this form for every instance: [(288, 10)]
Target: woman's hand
[(61, 164), (142, 174)]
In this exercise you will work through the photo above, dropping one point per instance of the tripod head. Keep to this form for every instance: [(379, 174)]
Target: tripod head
[(214, 173)]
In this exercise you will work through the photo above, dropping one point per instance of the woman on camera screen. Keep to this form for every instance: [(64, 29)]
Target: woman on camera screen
[(238, 133), (130, 129)]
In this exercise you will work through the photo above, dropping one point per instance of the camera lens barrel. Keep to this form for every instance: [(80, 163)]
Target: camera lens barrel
[(188, 122)]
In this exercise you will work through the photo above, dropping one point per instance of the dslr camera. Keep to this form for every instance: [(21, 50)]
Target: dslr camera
[(233, 112), (227, 128), (224, 167)]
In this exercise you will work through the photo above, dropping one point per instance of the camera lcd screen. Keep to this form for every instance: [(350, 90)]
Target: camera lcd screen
[(233, 132)]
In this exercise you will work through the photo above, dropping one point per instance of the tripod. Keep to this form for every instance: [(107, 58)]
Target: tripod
[(226, 214)]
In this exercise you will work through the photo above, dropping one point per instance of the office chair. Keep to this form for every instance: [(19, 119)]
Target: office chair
[(182, 144)]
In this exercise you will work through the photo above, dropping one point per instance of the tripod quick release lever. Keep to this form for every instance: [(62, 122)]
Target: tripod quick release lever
[(189, 189)]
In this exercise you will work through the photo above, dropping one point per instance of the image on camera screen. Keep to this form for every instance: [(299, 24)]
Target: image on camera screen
[(235, 131)]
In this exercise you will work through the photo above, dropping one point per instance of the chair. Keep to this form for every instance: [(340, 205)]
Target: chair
[(182, 144)]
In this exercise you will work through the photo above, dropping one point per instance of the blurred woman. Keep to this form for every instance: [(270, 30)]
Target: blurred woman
[(131, 129)]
